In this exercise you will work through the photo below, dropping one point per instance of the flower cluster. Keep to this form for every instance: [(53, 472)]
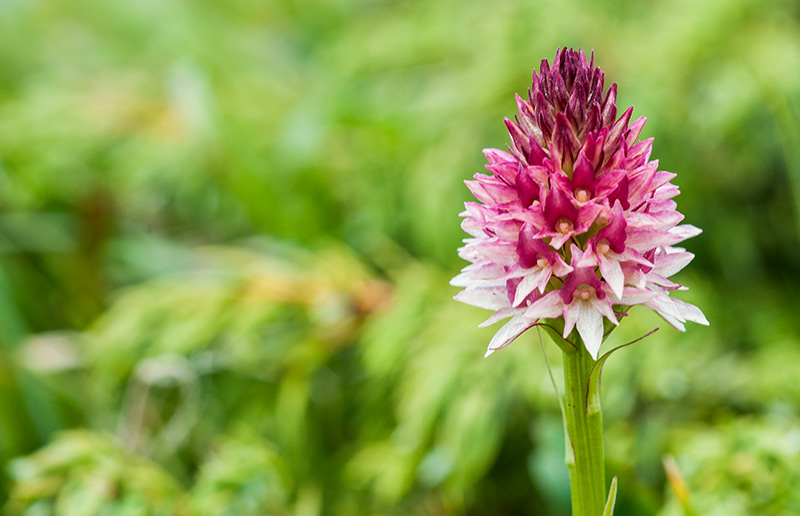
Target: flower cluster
[(575, 224)]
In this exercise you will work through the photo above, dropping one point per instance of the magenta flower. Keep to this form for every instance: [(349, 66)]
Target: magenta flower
[(575, 224)]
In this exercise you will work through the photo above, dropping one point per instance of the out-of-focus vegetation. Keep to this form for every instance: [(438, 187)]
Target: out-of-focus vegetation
[(227, 228)]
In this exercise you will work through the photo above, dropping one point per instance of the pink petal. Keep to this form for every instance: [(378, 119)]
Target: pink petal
[(497, 156), (539, 174), (499, 252), (643, 240), (634, 130), (557, 207), (586, 215), (527, 189), (583, 176), (560, 267), (614, 232)]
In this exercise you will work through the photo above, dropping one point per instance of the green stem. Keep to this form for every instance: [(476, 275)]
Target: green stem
[(584, 421)]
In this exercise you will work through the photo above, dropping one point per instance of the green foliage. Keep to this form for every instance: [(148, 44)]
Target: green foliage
[(245, 477), (85, 474), (226, 231), (745, 466)]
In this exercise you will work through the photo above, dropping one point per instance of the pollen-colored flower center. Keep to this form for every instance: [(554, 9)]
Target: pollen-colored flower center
[(542, 262), (582, 195), (603, 247), (564, 225), (584, 291)]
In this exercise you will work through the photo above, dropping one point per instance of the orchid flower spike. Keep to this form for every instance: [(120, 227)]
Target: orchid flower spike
[(575, 223)]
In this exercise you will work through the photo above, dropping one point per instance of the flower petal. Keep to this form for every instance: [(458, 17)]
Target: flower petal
[(528, 284), (612, 273), (590, 327), (690, 312), (548, 306), (510, 331), (503, 313), (487, 298)]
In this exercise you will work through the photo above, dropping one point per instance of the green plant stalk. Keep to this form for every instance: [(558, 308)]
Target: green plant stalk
[(584, 422)]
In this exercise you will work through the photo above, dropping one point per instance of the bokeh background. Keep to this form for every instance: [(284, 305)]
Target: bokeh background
[(227, 230)]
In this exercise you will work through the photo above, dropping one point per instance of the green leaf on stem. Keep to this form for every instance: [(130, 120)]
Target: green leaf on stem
[(593, 391), (612, 498)]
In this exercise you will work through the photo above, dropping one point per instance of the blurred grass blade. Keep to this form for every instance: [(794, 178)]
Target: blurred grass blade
[(39, 405), (678, 485), (570, 458), (12, 327)]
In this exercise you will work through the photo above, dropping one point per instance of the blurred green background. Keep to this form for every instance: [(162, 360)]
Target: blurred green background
[(227, 228)]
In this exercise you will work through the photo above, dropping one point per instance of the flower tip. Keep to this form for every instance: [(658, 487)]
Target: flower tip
[(489, 352), (593, 347)]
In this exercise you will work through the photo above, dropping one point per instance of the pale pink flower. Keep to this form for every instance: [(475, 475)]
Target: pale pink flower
[(575, 224)]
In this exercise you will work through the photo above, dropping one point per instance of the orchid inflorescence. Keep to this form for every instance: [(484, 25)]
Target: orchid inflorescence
[(575, 224)]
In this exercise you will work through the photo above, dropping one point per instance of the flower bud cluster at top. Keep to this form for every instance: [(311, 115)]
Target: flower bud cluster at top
[(575, 223)]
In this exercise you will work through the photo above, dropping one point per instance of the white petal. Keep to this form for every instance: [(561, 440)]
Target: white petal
[(657, 279), (666, 308), (629, 255), (488, 298), (571, 315), (476, 272), (604, 307), (612, 273), (637, 279), (560, 268), (487, 283), (669, 264), (472, 226), (498, 251), (588, 259), (633, 296), (526, 286), (590, 327), (559, 239), (544, 279), (510, 331), (690, 312), (503, 313), (685, 231), (515, 271), (674, 322), (546, 307)]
